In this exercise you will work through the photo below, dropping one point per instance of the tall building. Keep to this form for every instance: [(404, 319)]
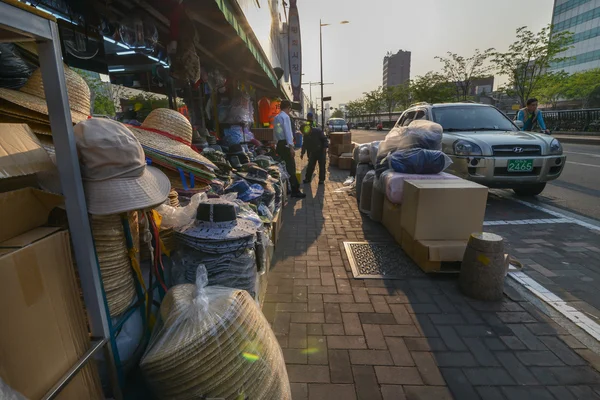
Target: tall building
[(396, 68), (582, 18)]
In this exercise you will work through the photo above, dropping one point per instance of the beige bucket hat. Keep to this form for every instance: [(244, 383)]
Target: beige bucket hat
[(32, 97), (169, 133), (113, 168)]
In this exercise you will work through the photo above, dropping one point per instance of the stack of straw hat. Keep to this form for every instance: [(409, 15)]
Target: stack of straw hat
[(220, 348), (173, 198), (115, 265), (28, 104)]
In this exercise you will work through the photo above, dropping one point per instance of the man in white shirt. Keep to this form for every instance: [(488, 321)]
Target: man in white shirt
[(285, 145)]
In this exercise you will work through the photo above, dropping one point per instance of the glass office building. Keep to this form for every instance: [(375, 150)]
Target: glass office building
[(582, 18)]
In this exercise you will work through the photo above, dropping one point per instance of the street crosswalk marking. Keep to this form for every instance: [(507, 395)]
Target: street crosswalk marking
[(585, 165), (529, 222)]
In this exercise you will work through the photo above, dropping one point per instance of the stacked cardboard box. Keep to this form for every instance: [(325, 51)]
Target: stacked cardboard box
[(340, 150), (437, 218)]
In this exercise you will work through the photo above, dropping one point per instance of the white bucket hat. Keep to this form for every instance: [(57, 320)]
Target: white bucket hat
[(113, 168)]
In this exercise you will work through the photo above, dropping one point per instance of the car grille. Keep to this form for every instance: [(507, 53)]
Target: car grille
[(526, 150)]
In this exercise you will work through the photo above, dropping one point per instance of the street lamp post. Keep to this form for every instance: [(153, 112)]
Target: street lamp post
[(310, 90), (321, 25)]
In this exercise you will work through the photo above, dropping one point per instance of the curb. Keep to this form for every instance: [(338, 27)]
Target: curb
[(579, 140)]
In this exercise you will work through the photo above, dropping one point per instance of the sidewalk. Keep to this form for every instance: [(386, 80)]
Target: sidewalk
[(404, 339)]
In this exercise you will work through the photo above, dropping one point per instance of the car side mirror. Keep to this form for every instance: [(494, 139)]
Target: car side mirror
[(519, 124)]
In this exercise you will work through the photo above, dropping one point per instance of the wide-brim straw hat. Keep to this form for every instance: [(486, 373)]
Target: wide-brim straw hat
[(169, 133), (36, 127), (227, 351), (114, 261), (32, 96)]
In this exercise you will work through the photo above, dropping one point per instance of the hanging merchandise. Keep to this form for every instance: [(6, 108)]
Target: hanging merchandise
[(113, 168), (214, 342), (185, 63), (241, 111), (264, 112), (275, 109), (217, 81), (14, 70)]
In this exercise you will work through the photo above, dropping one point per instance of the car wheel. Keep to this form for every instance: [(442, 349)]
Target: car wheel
[(530, 190)]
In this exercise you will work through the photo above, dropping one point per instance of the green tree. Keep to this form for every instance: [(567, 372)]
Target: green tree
[(102, 102), (582, 85), (529, 58), (464, 70), (393, 97), (374, 101), (432, 88), (356, 108), (403, 96), (337, 114), (552, 87)]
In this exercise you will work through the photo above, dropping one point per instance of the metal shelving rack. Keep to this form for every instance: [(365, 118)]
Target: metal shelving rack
[(21, 23)]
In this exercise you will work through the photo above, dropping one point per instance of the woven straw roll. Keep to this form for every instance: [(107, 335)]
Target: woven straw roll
[(115, 266), (228, 351), (32, 95)]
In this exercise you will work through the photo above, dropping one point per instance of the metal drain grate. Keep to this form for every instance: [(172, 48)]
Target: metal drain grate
[(380, 261)]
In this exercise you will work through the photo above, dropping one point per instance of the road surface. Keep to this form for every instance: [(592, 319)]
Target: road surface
[(577, 189)]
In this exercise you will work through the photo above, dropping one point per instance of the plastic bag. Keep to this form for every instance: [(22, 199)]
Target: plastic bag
[(418, 161), (14, 70), (374, 150), (420, 134), (213, 342), (7, 393), (366, 192), (233, 135), (361, 171), (377, 199), (364, 153), (241, 111), (177, 217)]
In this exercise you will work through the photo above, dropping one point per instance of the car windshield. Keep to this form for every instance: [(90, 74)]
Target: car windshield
[(470, 118), (337, 122)]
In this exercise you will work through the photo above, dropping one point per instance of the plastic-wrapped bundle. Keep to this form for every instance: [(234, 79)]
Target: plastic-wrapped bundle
[(14, 70), (241, 110), (366, 192), (393, 183), (418, 161), (373, 151), (233, 135), (420, 134), (262, 246), (361, 171), (235, 270), (364, 153), (377, 198), (213, 342)]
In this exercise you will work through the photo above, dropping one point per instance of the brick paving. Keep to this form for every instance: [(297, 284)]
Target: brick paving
[(404, 339)]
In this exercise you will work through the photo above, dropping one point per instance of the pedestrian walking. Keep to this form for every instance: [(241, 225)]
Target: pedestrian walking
[(285, 145), (316, 144), (532, 117)]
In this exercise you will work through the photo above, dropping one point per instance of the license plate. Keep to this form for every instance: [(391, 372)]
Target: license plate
[(520, 165)]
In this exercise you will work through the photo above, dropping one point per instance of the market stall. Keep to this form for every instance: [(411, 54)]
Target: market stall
[(167, 218)]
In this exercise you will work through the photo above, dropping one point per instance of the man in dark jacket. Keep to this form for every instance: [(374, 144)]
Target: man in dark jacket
[(316, 146)]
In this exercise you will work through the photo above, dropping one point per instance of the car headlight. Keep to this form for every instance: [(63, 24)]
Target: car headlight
[(555, 147), (465, 148)]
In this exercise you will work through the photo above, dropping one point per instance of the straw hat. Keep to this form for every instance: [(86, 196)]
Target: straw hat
[(113, 167), (113, 258), (32, 97), (223, 348), (169, 133)]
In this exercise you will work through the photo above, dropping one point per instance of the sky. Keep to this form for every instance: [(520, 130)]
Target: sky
[(353, 53)]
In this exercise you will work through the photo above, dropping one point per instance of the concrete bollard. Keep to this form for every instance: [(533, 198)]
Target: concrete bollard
[(484, 267)]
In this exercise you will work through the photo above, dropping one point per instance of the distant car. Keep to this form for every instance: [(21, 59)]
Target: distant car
[(337, 125), (380, 126), (488, 148)]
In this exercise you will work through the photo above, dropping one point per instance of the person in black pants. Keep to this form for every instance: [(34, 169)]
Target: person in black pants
[(285, 145), (316, 146)]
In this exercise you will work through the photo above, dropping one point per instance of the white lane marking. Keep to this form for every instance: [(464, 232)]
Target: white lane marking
[(577, 317), (582, 154), (529, 222), (560, 215), (585, 165)]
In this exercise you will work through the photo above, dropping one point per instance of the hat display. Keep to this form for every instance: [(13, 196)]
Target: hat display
[(21, 152), (113, 168), (32, 97), (235, 162), (214, 342), (245, 191), (256, 174), (216, 219), (169, 133), (113, 258)]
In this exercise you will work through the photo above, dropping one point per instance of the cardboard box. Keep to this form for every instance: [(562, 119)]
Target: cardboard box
[(345, 148), (444, 209), (340, 138), (21, 152), (391, 219), (44, 330), (333, 160), (334, 149), (345, 162), (434, 255), (263, 134)]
